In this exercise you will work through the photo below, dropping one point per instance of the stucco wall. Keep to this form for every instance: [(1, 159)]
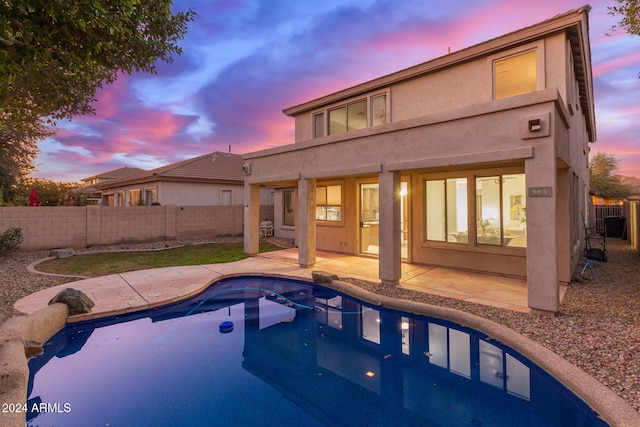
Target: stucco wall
[(465, 84), (83, 226), (188, 193)]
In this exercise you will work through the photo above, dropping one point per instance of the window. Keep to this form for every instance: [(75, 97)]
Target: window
[(150, 196), (331, 313), (337, 120), (318, 125), (225, 197), (501, 218), (329, 203), (378, 110), (370, 325), (134, 197), (450, 349), (446, 210), (348, 117), (515, 75), (357, 115), (501, 370), (369, 111), (288, 214)]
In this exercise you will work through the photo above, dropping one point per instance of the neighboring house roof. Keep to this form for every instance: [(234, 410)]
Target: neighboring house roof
[(103, 178), (574, 22), (115, 174), (217, 167)]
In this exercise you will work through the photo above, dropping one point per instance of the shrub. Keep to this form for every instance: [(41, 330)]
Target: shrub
[(10, 240)]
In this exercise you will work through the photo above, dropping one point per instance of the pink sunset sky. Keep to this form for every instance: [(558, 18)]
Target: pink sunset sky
[(244, 61)]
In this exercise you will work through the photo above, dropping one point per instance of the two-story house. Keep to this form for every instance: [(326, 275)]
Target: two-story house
[(476, 160)]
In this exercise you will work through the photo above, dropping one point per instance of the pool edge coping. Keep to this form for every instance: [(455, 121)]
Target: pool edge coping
[(41, 325)]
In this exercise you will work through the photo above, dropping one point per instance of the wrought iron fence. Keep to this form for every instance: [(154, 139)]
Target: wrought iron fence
[(603, 211)]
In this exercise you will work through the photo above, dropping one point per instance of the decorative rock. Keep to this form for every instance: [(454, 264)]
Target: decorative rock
[(62, 253), (323, 277), (77, 301), (33, 349)]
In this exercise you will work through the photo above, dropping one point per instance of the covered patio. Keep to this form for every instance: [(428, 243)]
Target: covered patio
[(492, 290)]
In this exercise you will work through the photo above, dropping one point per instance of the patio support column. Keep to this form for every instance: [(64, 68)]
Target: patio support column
[(306, 224), (542, 230), (251, 219), (390, 263)]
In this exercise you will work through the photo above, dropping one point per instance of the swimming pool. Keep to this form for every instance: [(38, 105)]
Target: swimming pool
[(297, 354)]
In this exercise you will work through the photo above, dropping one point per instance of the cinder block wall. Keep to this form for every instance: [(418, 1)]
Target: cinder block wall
[(195, 221), (83, 226), (46, 227)]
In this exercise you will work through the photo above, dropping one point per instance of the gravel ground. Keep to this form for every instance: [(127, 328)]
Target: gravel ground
[(597, 329)]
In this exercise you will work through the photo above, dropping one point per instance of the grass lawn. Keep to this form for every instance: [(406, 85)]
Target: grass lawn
[(94, 265)]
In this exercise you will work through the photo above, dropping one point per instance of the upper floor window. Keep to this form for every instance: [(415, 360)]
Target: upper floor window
[(358, 114), (348, 117), (515, 75), (318, 125)]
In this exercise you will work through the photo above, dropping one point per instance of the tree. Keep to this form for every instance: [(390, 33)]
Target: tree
[(18, 149), (628, 11), (602, 178), (55, 54), (50, 193)]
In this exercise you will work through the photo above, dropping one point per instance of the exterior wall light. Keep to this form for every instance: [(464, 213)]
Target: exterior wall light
[(535, 125)]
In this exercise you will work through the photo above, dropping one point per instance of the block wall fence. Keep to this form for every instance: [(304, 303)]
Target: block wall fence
[(51, 227)]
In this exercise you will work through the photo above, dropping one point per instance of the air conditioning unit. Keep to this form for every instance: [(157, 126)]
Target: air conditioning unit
[(247, 169)]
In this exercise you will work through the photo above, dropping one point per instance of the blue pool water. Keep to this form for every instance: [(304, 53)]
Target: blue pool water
[(297, 355)]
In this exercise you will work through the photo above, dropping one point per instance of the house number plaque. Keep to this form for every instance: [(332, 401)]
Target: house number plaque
[(540, 192)]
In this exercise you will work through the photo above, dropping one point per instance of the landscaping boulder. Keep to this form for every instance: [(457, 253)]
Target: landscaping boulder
[(33, 349), (77, 301), (62, 253), (323, 277)]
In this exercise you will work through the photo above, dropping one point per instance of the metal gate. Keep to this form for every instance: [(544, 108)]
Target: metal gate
[(603, 211)]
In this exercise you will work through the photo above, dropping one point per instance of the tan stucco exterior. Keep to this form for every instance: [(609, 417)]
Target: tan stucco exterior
[(442, 121)]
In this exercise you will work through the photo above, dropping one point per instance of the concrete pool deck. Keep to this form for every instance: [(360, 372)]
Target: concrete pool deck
[(138, 290)]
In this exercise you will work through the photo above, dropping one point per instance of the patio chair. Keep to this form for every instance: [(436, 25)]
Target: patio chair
[(266, 228)]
